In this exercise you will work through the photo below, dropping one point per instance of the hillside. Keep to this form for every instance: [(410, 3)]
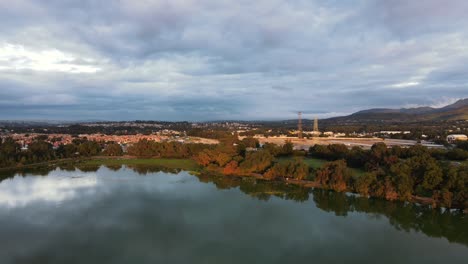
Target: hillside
[(455, 111)]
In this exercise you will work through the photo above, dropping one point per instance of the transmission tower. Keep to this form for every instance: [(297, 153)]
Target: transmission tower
[(316, 125), (299, 125)]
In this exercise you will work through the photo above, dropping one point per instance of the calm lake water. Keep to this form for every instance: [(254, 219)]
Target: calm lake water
[(143, 215)]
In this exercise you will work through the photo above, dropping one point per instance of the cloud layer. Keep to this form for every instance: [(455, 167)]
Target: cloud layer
[(206, 60)]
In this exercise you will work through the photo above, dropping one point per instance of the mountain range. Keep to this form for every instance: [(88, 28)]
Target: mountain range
[(455, 111)]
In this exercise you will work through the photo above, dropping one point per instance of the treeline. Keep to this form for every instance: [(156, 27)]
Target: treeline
[(244, 157), (116, 128), (397, 173), (39, 150), (11, 154), (215, 133), (358, 157), (146, 148)]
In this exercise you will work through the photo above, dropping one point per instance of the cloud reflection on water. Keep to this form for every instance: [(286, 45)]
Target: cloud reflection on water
[(21, 191)]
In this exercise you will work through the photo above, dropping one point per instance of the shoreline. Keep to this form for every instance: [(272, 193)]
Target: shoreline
[(312, 184), (51, 162), (428, 201)]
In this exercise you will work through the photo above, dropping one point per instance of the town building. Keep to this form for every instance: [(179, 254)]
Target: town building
[(394, 132), (456, 137)]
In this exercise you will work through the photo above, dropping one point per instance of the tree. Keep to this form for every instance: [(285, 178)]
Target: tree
[(89, 148), (113, 149), (334, 175), (143, 148), (337, 151), (66, 151), (319, 151), (425, 171), (363, 183), (432, 175), (9, 151), (377, 156), (462, 145), (401, 174), (218, 157), (416, 150), (295, 168), (379, 151), (457, 154), (204, 157), (231, 168), (250, 142), (390, 192), (257, 161), (274, 149), (41, 151), (222, 158), (397, 151), (356, 157), (287, 148)]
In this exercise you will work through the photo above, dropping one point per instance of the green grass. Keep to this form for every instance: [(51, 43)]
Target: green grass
[(312, 162), (184, 164), (317, 163), (357, 172)]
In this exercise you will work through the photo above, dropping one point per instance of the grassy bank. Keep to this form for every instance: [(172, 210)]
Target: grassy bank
[(38, 164), (184, 164)]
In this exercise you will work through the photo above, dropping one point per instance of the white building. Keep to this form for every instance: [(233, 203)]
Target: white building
[(455, 137), (394, 132), (313, 133)]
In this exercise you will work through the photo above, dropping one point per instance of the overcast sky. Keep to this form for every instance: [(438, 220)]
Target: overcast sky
[(216, 59)]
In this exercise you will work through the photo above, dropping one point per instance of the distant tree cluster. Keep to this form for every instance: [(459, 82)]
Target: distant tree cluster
[(380, 154), (108, 128), (147, 148), (113, 149), (215, 133), (11, 153), (242, 158), (401, 173), (38, 151), (295, 169)]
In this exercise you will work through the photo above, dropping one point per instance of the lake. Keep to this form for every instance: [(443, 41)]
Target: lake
[(143, 214)]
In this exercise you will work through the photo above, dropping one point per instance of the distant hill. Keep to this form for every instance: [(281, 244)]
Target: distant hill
[(455, 111)]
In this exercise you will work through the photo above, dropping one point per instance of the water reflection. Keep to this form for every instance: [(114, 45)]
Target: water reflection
[(452, 225), (20, 191), (175, 219)]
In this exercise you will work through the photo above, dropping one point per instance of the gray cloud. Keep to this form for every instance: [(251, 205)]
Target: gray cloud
[(199, 60)]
